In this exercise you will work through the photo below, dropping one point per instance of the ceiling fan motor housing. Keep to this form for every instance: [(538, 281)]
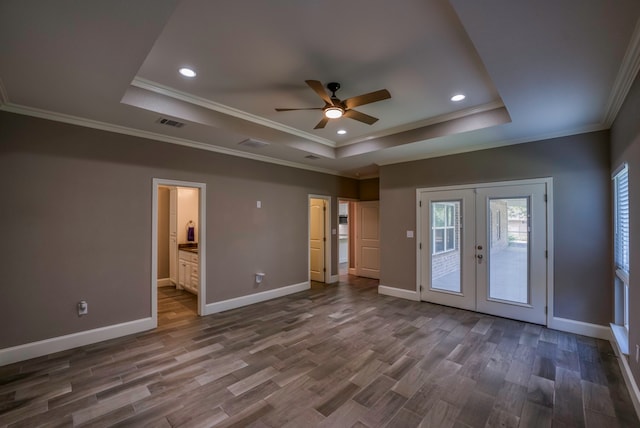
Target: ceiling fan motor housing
[(333, 87)]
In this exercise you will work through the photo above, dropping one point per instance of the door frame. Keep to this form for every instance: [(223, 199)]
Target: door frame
[(328, 279), (547, 181), (202, 244)]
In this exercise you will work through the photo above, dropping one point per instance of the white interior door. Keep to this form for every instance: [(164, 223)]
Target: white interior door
[(368, 239), (484, 249), (317, 239)]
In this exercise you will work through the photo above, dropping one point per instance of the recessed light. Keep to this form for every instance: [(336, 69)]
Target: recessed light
[(458, 97), (342, 131), (187, 72)]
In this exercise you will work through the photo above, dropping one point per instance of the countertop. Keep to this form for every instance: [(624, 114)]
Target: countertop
[(192, 248)]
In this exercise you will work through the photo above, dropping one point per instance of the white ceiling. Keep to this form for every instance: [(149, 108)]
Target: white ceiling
[(529, 70)]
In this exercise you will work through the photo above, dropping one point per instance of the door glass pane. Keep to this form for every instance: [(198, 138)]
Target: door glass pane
[(445, 249), (509, 248)]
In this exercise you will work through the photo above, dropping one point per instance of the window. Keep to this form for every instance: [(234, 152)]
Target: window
[(443, 226), (621, 237)]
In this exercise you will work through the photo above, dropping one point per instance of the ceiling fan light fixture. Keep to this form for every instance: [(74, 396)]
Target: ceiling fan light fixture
[(333, 112)]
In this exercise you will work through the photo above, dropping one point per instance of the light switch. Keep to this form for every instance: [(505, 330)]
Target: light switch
[(409, 233), (258, 204)]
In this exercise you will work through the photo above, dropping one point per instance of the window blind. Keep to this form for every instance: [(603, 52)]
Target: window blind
[(621, 187)]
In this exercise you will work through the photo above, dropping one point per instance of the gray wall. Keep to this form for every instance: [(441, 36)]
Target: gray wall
[(579, 166), (76, 216), (369, 189), (163, 232), (625, 147)]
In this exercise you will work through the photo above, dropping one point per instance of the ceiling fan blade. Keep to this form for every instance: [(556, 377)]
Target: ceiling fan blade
[(319, 89), (322, 123), (360, 117), (369, 98), (294, 109)]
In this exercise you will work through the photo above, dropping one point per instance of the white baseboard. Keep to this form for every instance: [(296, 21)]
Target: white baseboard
[(629, 380), (352, 271), (399, 292), (238, 302), (334, 278), (62, 343), (165, 282), (579, 327)]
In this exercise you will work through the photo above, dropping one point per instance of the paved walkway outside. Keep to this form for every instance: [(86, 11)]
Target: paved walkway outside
[(508, 274)]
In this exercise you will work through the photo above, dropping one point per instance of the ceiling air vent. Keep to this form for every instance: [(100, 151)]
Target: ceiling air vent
[(254, 144), (312, 157), (170, 122)]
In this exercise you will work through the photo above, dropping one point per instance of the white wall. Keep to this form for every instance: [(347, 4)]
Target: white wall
[(187, 211)]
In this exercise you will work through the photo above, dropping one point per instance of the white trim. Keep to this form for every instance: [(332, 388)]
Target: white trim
[(629, 380), (619, 169), (202, 242), (165, 282), (579, 327), (352, 271), (626, 75), (333, 279), (550, 251), (221, 108), (250, 299), (399, 292), (70, 341), (103, 126), (327, 233), (620, 336)]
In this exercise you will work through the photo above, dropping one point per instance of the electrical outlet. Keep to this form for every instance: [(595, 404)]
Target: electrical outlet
[(83, 308), (637, 352)]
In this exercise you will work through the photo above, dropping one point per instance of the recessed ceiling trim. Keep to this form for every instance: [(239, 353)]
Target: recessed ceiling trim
[(103, 126), (221, 108), (626, 75), (428, 122), (495, 144)]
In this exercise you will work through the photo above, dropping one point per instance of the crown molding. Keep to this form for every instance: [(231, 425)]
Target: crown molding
[(500, 143), (158, 88), (103, 126), (626, 75), (428, 122)]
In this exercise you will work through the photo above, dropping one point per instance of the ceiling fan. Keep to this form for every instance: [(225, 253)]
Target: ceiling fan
[(334, 108)]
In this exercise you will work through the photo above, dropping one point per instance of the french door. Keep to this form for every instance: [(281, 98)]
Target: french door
[(484, 249)]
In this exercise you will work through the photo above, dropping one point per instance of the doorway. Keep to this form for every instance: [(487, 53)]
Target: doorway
[(344, 242), (319, 248), (484, 248), (178, 270)]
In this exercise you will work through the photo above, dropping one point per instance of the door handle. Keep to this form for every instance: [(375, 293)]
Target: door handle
[(479, 256)]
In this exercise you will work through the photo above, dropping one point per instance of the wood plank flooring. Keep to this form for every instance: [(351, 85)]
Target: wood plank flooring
[(333, 356)]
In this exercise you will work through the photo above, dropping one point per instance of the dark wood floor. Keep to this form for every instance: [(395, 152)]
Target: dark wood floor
[(334, 356)]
